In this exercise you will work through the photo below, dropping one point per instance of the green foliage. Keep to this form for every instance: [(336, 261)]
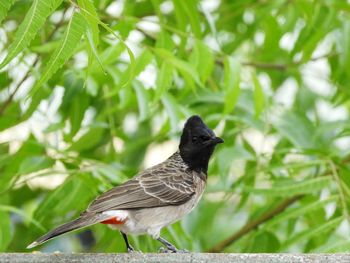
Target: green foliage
[(88, 88), (33, 21), (64, 50), (5, 232), (5, 5), (291, 188)]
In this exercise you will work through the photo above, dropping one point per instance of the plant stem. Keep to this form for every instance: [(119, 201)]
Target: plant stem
[(8, 101), (254, 224), (340, 189), (281, 67)]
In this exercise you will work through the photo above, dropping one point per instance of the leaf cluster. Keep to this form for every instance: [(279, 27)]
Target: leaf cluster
[(89, 89)]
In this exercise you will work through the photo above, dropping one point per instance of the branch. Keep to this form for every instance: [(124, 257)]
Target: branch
[(327, 55), (250, 226), (254, 224), (8, 101), (281, 67), (264, 65)]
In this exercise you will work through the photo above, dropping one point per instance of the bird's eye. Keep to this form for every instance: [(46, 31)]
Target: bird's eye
[(194, 138), (204, 138)]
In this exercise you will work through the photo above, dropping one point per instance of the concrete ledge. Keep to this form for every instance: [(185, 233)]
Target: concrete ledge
[(188, 257)]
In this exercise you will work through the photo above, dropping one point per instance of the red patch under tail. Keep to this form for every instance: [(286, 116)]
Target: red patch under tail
[(113, 221)]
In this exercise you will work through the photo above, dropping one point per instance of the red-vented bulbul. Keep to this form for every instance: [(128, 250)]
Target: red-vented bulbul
[(158, 196)]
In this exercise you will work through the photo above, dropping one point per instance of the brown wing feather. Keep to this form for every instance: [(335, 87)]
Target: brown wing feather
[(153, 188)]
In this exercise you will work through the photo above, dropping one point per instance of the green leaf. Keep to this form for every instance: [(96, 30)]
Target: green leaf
[(35, 163), (19, 212), (54, 127), (299, 211), (333, 247), (74, 31), (311, 232), (45, 48), (264, 242), (5, 80), (171, 107), (109, 56), (77, 110), (320, 22), (136, 68), (291, 189), (142, 61), (227, 155), (92, 19), (142, 100), (164, 41), (5, 6), (203, 60), (231, 83), (92, 34), (188, 12), (5, 230), (30, 147), (10, 116), (297, 128), (164, 79), (75, 194), (33, 21), (344, 45), (93, 50), (95, 18), (182, 66), (88, 140), (214, 56), (131, 68), (259, 99)]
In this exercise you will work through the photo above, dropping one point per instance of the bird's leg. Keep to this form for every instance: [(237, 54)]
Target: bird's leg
[(171, 248), (128, 246)]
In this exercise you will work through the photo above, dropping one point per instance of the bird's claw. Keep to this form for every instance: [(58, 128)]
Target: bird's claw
[(172, 250), (132, 250), (164, 250)]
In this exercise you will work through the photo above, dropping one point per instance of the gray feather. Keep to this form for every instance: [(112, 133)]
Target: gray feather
[(169, 183), (84, 221)]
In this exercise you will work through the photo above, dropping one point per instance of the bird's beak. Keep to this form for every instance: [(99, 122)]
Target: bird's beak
[(214, 141), (217, 140)]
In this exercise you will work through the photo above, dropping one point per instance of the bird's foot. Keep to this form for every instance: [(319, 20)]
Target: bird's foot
[(182, 251), (164, 250), (172, 250), (135, 252), (132, 250)]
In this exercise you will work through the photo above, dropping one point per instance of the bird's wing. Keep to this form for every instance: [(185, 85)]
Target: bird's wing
[(152, 188)]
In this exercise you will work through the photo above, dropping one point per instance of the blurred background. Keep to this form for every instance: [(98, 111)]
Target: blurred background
[(91, 92)]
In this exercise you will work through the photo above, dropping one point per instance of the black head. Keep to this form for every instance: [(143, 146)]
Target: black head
[(197, 144)]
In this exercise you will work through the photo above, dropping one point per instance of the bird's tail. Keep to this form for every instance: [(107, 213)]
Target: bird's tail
[(67, 227)]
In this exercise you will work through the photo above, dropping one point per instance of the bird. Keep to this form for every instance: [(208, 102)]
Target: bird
[(156, 197)]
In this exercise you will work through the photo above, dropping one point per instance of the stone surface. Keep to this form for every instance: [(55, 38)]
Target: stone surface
[(186, 257)]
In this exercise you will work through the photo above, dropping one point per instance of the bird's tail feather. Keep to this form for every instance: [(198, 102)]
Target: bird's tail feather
[(67, 227)]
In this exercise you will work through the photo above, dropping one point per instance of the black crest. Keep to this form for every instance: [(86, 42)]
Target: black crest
[(197, 144)]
